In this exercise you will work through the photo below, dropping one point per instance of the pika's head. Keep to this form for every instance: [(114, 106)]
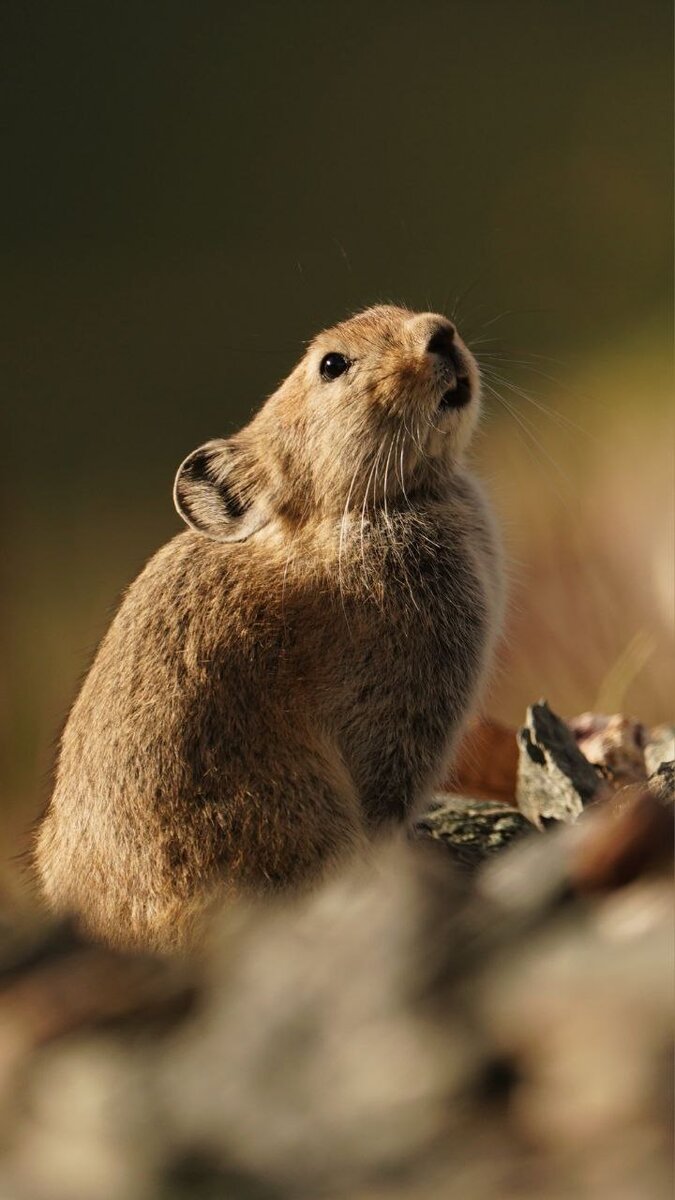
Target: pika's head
[(379, 410)]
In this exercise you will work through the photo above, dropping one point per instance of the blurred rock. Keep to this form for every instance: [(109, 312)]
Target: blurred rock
[(632, 839), (660, 747), (615, 744), (406, 1032), (483, 1010), (662, 783)]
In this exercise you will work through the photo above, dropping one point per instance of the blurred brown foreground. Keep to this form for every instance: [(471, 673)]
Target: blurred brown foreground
[(414, 1030)]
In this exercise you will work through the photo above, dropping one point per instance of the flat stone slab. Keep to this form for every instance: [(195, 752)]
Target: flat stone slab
[(472, 830)]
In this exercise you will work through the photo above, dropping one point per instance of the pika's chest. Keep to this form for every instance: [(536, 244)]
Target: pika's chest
[(414, 638)]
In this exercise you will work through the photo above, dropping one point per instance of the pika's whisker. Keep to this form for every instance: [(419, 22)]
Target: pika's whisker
[(527, 430), (559, 418), (345, 518), (363, 507)]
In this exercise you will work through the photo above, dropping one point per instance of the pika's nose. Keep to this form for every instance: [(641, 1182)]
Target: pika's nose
[(442, 340)]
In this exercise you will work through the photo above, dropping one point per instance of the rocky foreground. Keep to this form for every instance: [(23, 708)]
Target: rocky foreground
[(483, 1010)]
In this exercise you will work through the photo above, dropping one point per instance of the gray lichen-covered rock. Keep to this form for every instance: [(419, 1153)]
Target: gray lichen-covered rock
[(555, 780), (472, 830)]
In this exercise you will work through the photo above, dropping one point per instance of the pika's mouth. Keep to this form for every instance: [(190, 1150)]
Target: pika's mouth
[(456, 396)]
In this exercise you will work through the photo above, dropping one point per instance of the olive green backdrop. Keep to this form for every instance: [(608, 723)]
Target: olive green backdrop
[(191, 189)]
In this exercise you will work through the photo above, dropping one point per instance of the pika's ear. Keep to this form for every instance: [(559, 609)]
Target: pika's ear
[(215, 493)]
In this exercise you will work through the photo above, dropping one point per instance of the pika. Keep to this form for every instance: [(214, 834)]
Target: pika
[(288, 676)]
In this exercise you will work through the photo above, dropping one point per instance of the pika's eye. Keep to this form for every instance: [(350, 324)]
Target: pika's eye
[(333, 364)]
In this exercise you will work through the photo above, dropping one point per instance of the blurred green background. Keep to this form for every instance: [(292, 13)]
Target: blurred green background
[(191, 190)]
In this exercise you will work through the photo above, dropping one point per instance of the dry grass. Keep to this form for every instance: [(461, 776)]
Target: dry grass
[(586, 496)]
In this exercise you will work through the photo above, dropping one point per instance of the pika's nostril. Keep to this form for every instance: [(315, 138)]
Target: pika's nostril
[(441, 341)]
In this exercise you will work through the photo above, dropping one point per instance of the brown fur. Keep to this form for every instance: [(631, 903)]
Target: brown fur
[(289, 675)]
